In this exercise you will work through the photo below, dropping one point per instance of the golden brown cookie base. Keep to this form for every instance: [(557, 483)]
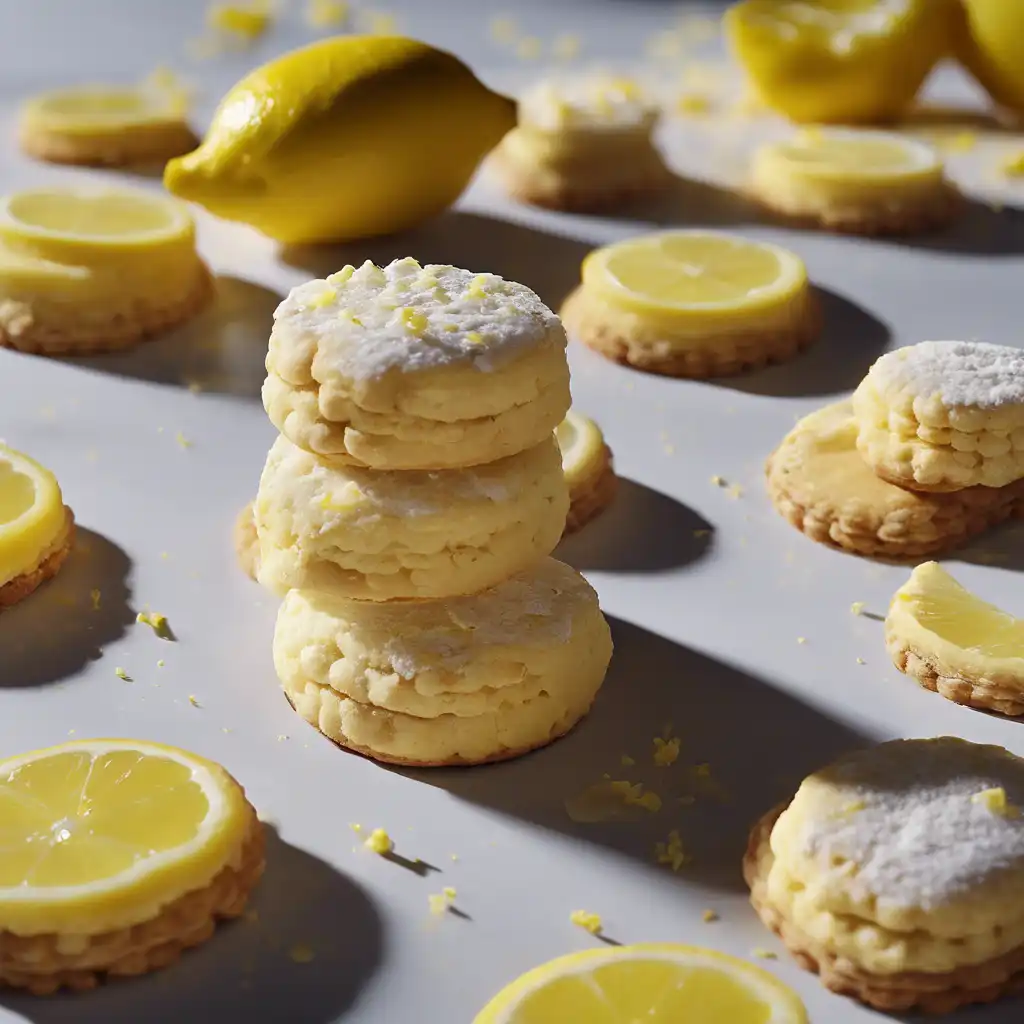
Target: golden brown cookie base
[(247, 544), (892, 993), (984, 694), (593, 494), (717, 357), (147, 144), (42, 964), (22, 329), (48, 566), (910, 484)]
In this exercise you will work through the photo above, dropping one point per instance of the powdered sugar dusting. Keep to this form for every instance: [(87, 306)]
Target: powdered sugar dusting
[(912, 834), (960, 373), (369, 320)]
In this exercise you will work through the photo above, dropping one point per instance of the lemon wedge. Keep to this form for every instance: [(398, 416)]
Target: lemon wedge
[(32, 514), (694, 274), (658, 983), (991, 46), (582, 445), (347, 138), (839, 60), (102, 834)]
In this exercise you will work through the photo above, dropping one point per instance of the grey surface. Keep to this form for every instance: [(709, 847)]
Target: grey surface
[(705, 628)]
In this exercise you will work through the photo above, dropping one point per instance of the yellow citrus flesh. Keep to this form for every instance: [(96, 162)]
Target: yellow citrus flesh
[(97, 109), (991, 46), (940, 606), (347, 138), (101, 834), (690, 274), (31, 514), (653, 983), (581, 444), (840, 60), (854, 156)]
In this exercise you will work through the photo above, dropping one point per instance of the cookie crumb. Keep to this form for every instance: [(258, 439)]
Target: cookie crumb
[(801, 639), (301, 954), (156, 622), (857, 608), (765, 954), (626, 761), (587, 921), (194, 701), (96, 596), (666, 751), (183, 441), (709, 916), (379, 842), (861, 661), (122, 674), (671, 852)]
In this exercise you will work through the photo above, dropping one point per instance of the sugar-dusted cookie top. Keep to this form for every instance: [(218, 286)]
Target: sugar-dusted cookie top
[(360, 323), (588, 102)]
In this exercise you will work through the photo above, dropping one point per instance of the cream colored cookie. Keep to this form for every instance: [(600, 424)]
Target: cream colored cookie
[(582, 144), (411, 367), (247, 542), (693, 303), (944, 415), (376, 536), (818, 481), (457, 681), (897, 872), (858, 182), (589, 472), (954, 643)]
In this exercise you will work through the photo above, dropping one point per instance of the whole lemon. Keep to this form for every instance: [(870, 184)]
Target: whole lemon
[(991, 47), (347, 138)]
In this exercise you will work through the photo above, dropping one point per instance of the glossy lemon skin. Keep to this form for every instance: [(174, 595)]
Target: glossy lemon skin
[(874, 83), (991, 47), (348, 138)]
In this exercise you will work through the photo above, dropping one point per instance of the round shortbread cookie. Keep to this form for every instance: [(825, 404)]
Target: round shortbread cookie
[(818, 481), (892, 992), (376, 536), (944, 415), (411, 367)]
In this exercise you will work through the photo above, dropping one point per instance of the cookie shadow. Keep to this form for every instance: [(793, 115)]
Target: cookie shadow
[(548, 263), (245, 972), (222, 350), (694, 203), (851, 340), (757, 741), (980, 229), (1000, 548), (65, 624), (673, 535)]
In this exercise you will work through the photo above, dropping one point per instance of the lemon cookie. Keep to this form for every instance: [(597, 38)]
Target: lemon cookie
[(117, 856), (818, 481), (377, 535), (93, 270), (587, 465), (944, 415), (693, 303), (859, 182), (410, 367), (954, 643), (247, 542), (103, 126), (36, 527), (582, 144), (896, 873), (457, 681)]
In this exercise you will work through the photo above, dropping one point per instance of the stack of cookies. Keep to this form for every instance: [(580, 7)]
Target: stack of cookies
[(407, 511), (929, 452)]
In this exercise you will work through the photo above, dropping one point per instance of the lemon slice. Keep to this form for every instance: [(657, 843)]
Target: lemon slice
[(840, 60), (855, 156), (101, 834), (32, 514), (656, 983), (695, 274), (582, 446), (88, 109)]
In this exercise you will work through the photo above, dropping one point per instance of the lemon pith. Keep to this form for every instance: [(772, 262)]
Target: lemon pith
[(347, 138), (656, 982), (31, 513), (580, 442), (100, 834)]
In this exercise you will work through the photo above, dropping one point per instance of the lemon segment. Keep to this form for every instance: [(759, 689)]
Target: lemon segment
[(991, 46), (659, 983), (857, 61), (582, 445), (347, 138), (101, 834), (694, 275), (91, 109), (31, 515)]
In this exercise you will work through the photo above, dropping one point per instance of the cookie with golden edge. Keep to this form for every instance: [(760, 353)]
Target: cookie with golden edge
[(818, 481), (944, 415), (588, 468), (159, 845), (896, 874), (952, 642), (37, 529), (693, 303), (464, 680), (583, 144), (855, 182), (409, 367)]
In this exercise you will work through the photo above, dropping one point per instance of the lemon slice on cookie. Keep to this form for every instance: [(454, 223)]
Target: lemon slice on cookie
[(658, 983), (587, 465)]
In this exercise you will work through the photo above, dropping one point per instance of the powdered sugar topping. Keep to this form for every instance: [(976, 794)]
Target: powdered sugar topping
[(368, 320), (959, 373)]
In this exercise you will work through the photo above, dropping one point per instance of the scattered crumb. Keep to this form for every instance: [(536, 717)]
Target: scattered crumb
[(735, 491), (719, 481), (379, 842), (160, 663), (857, 608), (244, 22), (71, 732), (709, 916), (666, 752), (454, 856), (566, 47), (801, 639), (326, 13), (449, 891), (861, 661), (528, 48), (504, 30), (438, 904), (693, 103), (701, 533), (301, 954), (671, 851), (995, 801), (668, 448), (611, 800), (95, 596), (765, 954), (122, 674), (156, 622), (356, 827), (626, 761), (702, 770), (1013, 165), (194, 701), (587, 921), (182, 440)]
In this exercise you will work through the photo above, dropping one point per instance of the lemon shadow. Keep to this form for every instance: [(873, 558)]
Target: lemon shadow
[(65, 624), (245, 973)]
